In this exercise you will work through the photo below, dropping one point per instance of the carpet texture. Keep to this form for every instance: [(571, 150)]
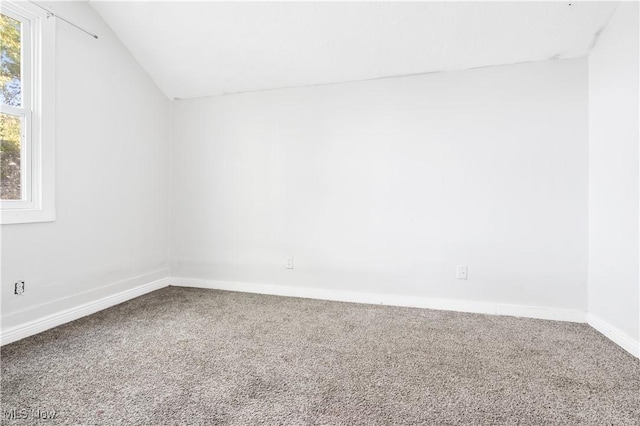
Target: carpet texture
[(195, 356)]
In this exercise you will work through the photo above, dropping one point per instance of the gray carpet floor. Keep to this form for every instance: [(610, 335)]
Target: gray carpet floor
[(194, 356)]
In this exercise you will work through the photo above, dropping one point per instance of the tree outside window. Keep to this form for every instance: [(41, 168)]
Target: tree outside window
[(10, 94)]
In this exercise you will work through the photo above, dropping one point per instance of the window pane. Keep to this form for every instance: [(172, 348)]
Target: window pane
[(10, 153), (10, 60)]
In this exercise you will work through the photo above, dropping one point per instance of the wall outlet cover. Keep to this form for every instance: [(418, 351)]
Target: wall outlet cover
[(461, 272)]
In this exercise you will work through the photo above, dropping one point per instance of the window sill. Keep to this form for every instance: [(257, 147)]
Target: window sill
[(11, 217)]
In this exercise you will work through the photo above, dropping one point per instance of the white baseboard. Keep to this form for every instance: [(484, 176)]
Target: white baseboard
[(614, 334), (388, 299), (67, 315)]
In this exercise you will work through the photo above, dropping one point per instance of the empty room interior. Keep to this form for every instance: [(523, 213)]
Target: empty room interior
[(331, 213)]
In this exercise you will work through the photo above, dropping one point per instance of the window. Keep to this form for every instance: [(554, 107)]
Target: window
[(26, 114)]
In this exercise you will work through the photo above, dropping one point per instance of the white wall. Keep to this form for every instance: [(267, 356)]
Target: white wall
[(112, 161), (613, 174), (384, 186)]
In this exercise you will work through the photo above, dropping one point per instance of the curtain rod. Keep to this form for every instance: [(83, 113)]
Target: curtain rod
[(51, 13)]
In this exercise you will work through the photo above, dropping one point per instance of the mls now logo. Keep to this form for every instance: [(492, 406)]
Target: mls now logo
[(29, 413)]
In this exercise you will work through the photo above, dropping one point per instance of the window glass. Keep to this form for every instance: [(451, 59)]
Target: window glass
[(11, 146), (10, 157), (10, 61)]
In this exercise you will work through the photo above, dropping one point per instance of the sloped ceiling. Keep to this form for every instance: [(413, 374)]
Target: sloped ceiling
[(194, 49)]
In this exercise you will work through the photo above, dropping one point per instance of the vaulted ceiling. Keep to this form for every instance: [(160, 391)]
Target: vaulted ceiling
[(194, 49)]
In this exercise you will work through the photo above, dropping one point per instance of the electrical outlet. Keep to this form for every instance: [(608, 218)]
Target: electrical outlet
[(461, 272), (289, 262), (19, 287)]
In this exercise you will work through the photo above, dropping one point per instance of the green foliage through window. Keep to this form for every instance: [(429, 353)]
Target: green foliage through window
[(10, 40), (10, 94)]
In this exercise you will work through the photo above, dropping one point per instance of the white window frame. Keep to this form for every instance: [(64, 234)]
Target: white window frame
[(38, 119)]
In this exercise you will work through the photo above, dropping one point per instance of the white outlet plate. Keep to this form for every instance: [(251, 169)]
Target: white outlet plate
[(289, 262), (461, 272)]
